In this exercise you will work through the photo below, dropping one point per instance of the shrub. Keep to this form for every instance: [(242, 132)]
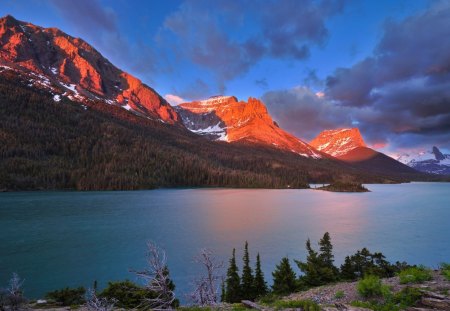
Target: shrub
[(370, 286), (415, 275), (407, 297), (67, 296), (127, 294), (339, 294), (445, 267), (306, 305)]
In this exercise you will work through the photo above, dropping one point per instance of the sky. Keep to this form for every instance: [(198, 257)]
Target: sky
[(382, 66)]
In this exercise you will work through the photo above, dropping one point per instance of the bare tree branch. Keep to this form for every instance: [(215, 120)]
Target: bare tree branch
[(206, 287), (13, 294), (93, 303), (157, 279)]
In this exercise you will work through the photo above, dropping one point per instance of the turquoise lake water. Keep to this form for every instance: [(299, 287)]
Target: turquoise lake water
[(58, 239)]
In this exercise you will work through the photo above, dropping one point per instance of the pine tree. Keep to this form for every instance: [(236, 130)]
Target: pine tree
[(247, 277), (326, 249), (259, 284), (348, 270), (311, 267), (328, 272), (284, 279), (233, 282)]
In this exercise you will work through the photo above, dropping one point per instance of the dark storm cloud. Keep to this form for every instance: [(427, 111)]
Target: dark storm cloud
[(408, 75), (288, 29), (399, 95)]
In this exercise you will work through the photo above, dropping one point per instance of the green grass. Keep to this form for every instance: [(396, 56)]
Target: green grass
[(339, 294), (418, 274), (445, 268), (269, 299), (306, 305)]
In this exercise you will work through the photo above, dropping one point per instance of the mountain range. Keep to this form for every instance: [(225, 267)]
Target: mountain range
[(432, 161), (71, 119)]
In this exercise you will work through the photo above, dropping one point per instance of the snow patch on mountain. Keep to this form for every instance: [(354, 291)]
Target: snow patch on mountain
[(215, 130)]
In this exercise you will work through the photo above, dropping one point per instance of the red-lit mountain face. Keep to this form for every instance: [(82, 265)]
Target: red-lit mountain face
[(338, 142), (67, 66), (348, 145), (227, 119), (49, 59)]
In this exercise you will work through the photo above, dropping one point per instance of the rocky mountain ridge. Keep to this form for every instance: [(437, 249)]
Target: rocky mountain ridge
[(228, 119), (69, 66)]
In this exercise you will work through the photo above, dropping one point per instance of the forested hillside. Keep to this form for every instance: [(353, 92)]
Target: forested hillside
[(64, 145)]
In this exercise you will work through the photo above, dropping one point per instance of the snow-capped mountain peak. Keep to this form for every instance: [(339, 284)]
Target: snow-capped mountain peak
[(429, 161)]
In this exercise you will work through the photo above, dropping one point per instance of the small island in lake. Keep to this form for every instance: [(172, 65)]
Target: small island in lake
[(341, 186)]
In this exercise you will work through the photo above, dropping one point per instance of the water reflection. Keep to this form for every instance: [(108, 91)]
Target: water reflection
[(59, 239)]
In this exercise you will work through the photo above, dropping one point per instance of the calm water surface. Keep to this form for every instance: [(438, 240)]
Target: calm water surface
[(57, 239)]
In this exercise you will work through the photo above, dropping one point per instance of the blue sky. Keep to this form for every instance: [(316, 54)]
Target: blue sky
[(284, 52)]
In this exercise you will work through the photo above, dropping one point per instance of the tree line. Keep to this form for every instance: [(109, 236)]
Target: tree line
[(318, 269)]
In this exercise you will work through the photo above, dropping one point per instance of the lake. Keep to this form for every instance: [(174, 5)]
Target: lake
[(58, 239)]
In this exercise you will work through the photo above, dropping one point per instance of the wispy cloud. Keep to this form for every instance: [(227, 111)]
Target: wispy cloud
[(174, 100)]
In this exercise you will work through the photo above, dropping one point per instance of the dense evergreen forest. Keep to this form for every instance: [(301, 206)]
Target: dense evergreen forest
[(65, 145)]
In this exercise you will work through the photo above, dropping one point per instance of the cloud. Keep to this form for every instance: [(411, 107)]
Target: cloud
[(98, 24), (405, 83), (174, 100), (90, 12), (281, 30), (292, 25), (196, 90), (304, 113)]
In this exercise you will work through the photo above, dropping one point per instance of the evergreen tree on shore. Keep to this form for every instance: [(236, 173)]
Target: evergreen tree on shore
[(259, 284), (329, 273), (319, 268), (284, 279), (233, 282), (247, 290)]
